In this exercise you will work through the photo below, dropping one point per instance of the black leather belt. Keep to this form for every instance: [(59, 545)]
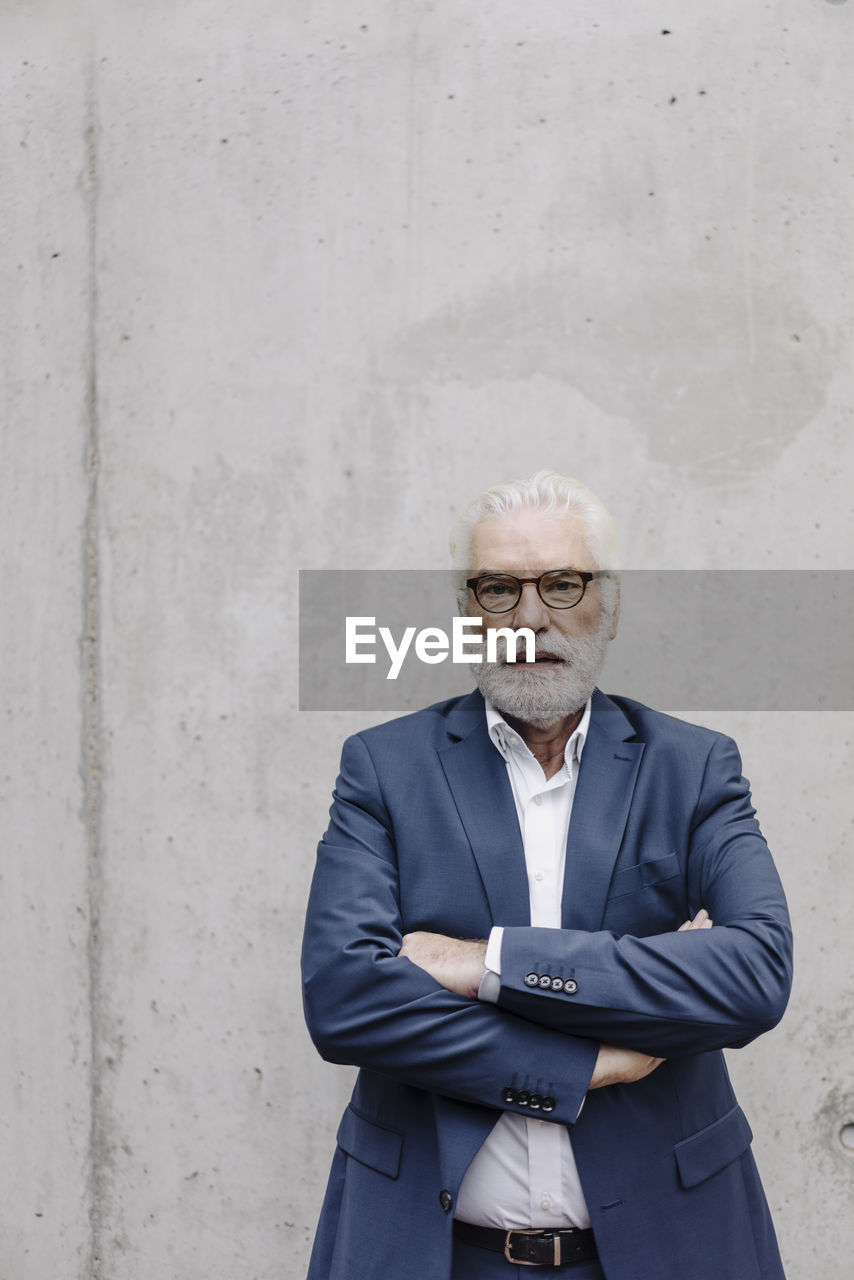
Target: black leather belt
[(539, 1247)]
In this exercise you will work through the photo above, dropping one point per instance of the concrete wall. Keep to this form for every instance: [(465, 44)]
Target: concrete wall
[(284, 285)]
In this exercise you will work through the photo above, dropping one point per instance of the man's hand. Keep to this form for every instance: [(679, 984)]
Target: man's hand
[(701, 921), (621, 1066), (453, 962), (625, 1066)]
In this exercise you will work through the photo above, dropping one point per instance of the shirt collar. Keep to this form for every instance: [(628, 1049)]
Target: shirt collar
[(505, 739)]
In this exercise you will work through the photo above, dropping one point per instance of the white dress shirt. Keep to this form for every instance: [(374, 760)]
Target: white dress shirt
[(525, 1173)]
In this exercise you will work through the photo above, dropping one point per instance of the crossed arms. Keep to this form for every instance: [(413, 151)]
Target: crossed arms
[(458, 965), (673, 994)]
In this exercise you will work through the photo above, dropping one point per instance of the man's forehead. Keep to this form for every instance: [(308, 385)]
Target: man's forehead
[(529, 539)]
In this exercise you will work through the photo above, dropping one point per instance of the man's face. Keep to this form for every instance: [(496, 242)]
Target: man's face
[(571, 643)]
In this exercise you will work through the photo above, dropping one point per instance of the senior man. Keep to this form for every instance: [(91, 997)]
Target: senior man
[(538, 915)]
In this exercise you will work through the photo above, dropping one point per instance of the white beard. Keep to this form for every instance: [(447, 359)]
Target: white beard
[(539, 694)]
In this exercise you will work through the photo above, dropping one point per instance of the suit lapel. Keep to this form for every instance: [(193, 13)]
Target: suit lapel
[(606, 782), (477, 777)]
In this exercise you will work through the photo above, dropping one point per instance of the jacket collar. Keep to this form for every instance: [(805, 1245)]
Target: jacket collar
[(468, 712), (465, 715), (478, 780), (600, 810), (477, 777)]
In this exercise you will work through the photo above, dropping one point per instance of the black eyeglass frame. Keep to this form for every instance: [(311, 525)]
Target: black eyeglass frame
[(585, 576)]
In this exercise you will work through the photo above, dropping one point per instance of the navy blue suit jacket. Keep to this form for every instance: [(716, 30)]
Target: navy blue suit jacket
[(424, 835)]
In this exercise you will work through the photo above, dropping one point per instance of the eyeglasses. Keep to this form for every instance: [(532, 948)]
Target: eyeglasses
[(559, 588)]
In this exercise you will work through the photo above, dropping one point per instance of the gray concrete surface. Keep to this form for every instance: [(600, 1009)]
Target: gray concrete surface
[(284, 285)]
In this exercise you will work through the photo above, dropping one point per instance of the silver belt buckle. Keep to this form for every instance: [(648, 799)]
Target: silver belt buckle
[(543, 1231)]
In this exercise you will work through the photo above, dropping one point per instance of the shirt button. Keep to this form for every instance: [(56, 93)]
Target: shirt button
[(538, 799), (539, 875), (545, 1202)]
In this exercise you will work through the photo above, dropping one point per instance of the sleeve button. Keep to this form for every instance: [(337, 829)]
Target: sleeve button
[(523, 1097), (508, 1095), (557, 984), (545, 981), (535, 1102), (548, 1104), (570, 986), (532, 979)]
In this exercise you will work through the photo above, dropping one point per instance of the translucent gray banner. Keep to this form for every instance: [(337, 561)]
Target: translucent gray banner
[(727, 640)]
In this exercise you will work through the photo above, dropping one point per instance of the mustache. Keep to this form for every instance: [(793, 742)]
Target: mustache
[(553, 651)]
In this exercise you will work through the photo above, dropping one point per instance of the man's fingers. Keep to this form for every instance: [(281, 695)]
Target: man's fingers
[(621, 1066), (701, 921)]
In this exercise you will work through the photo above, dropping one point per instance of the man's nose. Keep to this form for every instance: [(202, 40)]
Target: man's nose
[(530, 610)]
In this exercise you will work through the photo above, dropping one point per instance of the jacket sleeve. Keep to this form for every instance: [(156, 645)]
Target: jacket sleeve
[(675, 993), (367, 1006)]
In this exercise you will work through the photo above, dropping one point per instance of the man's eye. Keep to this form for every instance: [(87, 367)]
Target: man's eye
[(495, 589)]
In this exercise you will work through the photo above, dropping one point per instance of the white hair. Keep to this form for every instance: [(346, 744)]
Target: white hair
[(550, 493)]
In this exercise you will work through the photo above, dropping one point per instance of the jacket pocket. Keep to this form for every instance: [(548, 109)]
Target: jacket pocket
[(370, 1143), (711, 1149), (643, 875)]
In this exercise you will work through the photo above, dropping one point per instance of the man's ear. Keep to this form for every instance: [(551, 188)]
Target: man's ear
[(616, 618)]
